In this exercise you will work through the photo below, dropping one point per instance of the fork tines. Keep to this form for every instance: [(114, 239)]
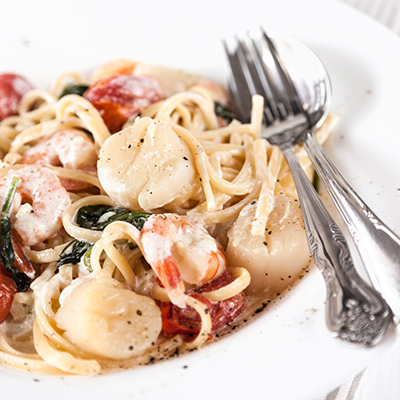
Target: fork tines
[(257, 68)]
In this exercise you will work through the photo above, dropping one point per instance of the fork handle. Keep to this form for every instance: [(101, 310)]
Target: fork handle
[(379, 247), (355, 311)]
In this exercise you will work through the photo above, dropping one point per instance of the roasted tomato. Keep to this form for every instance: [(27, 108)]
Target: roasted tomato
[(119, 97), (12, 88), (186, 321), (8, 289)]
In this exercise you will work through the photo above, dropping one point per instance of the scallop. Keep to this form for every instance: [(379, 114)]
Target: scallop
[(102, 317), (276, 258), (147, 166)]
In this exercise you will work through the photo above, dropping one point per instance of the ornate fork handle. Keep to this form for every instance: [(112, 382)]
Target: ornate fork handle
[(355, 312), (378, 246)]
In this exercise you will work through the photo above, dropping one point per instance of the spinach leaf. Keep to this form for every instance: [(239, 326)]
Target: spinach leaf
[(22, 281), (7, 254), (6, 248), (73, 252), (86, 259), (224, 112), (97, 217), (75, 89), (88, 216)]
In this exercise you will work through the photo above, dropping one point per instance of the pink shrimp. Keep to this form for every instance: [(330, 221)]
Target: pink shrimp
[(69, 148), (180, 251), (38, 204)]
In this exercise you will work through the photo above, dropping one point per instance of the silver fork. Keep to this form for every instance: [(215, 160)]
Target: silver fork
[(356, 312)]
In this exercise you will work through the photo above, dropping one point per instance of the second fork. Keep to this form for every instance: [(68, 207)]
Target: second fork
[(355, 312)]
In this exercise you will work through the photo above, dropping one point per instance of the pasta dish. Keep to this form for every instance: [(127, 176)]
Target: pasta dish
[(139, 218)]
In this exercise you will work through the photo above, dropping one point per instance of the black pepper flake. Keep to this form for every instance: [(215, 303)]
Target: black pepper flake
[(253, 202), (185, 158), (130, 348), (129, 146), (260, 309), (141, 140), (265, 243), (269, 232), (151, 361), (139, 312), (176, 352)]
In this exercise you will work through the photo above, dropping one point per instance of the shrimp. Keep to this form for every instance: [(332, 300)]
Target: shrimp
[(38, 204), (69, 148), (180, 251)]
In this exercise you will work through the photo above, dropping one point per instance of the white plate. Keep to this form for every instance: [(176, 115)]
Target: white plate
[(286, 353)]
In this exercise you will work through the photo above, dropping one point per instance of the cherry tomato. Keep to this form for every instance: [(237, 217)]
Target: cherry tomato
[(12, 88), (187, 322), (119, 96), (175, 322), (226, 311), (7, 292)]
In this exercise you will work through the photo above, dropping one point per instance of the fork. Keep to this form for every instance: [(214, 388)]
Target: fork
[(377, 244), (355, 311)]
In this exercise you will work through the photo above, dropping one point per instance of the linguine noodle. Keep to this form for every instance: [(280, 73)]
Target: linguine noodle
[(177, 156)]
